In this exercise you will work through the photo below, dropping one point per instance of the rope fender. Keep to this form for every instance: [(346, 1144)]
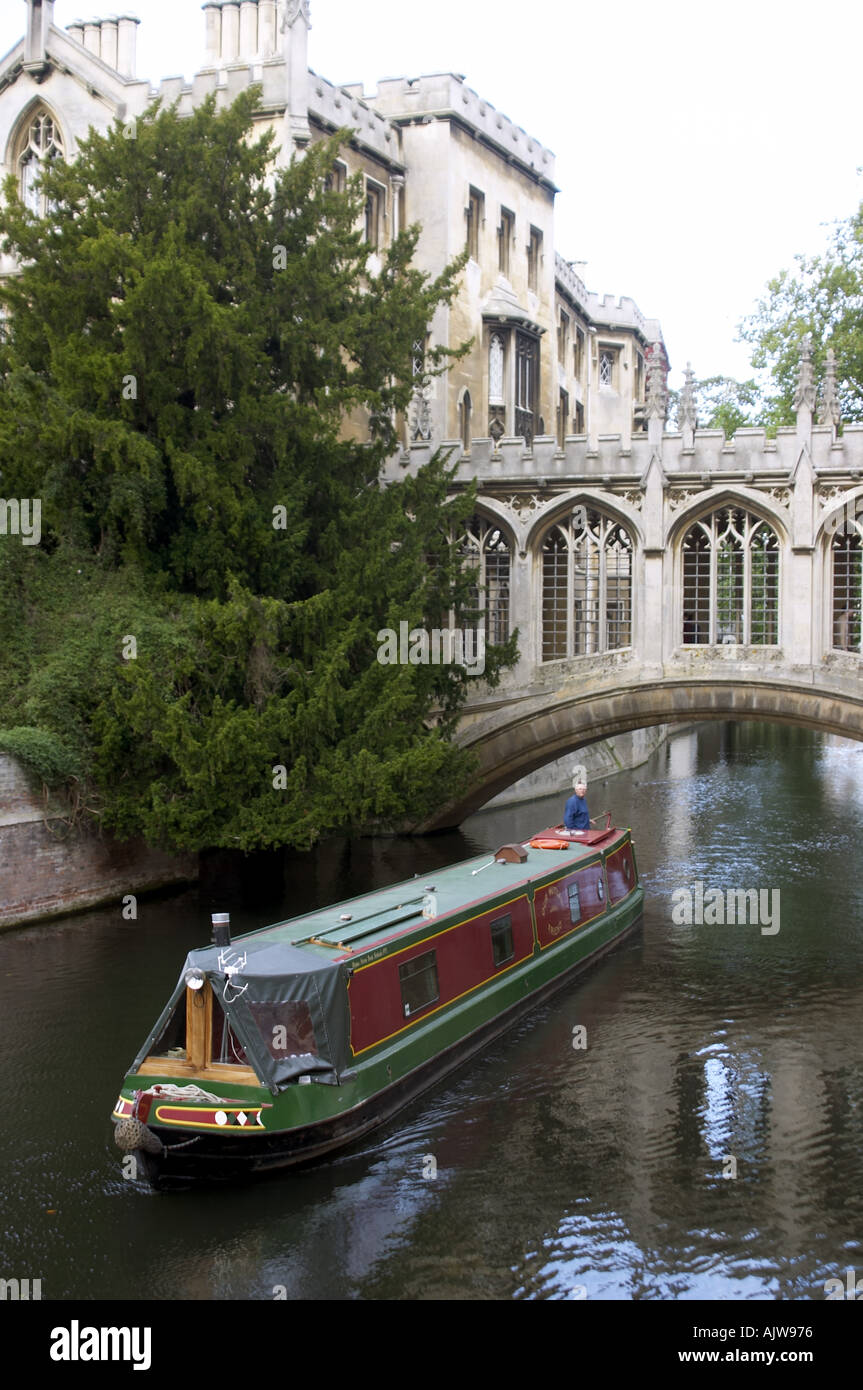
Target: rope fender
[(131, 1134)]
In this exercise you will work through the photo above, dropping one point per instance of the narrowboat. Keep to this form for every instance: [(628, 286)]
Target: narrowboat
[(280, 1046)]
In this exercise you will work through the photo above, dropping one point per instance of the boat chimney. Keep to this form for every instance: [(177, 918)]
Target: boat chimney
[(221, 928)]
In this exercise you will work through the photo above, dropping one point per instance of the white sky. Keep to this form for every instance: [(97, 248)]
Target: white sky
[(699, 146)]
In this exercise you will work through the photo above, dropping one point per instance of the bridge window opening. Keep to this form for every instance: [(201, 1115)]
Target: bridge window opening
[(847, 574), (730, 580), (419, 983), (555, 560), (485, 548), (586, 587), (502, 945)]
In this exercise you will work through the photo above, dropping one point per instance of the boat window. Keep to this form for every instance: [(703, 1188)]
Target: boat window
[(286, 1028), (419, 982), (171, 1042), (574, 903), (501, 940), (600, 888), (225, 1046)]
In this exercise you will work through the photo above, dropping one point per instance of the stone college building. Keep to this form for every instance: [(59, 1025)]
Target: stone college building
[(548, 359)]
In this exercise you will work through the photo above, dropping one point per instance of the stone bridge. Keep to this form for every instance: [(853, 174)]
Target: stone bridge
[(685, 577)]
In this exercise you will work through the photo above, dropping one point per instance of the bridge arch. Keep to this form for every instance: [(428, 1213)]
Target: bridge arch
[(520, 738)]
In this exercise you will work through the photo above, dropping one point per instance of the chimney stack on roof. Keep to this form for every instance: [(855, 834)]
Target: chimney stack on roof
[(240, 31), (114, 40)]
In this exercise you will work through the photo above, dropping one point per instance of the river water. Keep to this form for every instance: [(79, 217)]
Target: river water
[(707, 1142)]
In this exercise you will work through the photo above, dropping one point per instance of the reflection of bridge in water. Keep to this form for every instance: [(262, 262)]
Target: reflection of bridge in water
[(683, 577)]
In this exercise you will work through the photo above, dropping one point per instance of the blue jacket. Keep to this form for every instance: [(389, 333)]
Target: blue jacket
[(575, 816)]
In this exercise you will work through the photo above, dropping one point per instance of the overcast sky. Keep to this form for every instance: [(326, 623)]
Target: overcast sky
[(698, 146)]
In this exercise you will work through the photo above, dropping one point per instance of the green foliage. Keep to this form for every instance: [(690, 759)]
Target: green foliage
[(188, 335), (824, 297), (42, 753), (726, 404)]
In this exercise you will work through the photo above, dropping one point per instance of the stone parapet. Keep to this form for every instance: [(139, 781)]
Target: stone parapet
[(334, 107), (445, 96)]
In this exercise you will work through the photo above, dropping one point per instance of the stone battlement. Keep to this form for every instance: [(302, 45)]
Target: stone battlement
[(444, 95), (746, 454)]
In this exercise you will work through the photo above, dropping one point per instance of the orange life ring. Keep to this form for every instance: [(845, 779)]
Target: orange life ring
[(550, 844)]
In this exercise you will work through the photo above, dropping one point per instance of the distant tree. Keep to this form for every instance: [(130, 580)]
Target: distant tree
[(824, 297), (723, 403), (186, 338)]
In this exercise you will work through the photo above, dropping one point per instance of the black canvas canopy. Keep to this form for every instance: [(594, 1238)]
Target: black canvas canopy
[(287, 1010)]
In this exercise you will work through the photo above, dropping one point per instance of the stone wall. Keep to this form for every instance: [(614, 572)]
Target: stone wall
[(47, 869)]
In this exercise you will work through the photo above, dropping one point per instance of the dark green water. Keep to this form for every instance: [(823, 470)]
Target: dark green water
[(560, 1172)]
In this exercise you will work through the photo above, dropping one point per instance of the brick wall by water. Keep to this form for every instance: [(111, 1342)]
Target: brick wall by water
[(46, 869)]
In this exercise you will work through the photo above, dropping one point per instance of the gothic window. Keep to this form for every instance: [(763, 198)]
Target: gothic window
[(526, 386), (586, 586), (607, 362), (485, 548), (505, 234), (41, 142), (847, 552), (730, 580), (534, 255)]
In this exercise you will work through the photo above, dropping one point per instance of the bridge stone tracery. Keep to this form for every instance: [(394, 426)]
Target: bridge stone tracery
[(741, 596)]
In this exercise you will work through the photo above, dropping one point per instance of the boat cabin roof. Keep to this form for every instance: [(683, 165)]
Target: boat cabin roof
[(343, 930)]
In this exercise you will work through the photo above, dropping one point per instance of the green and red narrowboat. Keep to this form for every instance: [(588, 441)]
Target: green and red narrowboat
[(287, 1043)]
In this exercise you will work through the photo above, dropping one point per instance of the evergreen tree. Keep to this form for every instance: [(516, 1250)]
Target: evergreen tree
[(188, 335)]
